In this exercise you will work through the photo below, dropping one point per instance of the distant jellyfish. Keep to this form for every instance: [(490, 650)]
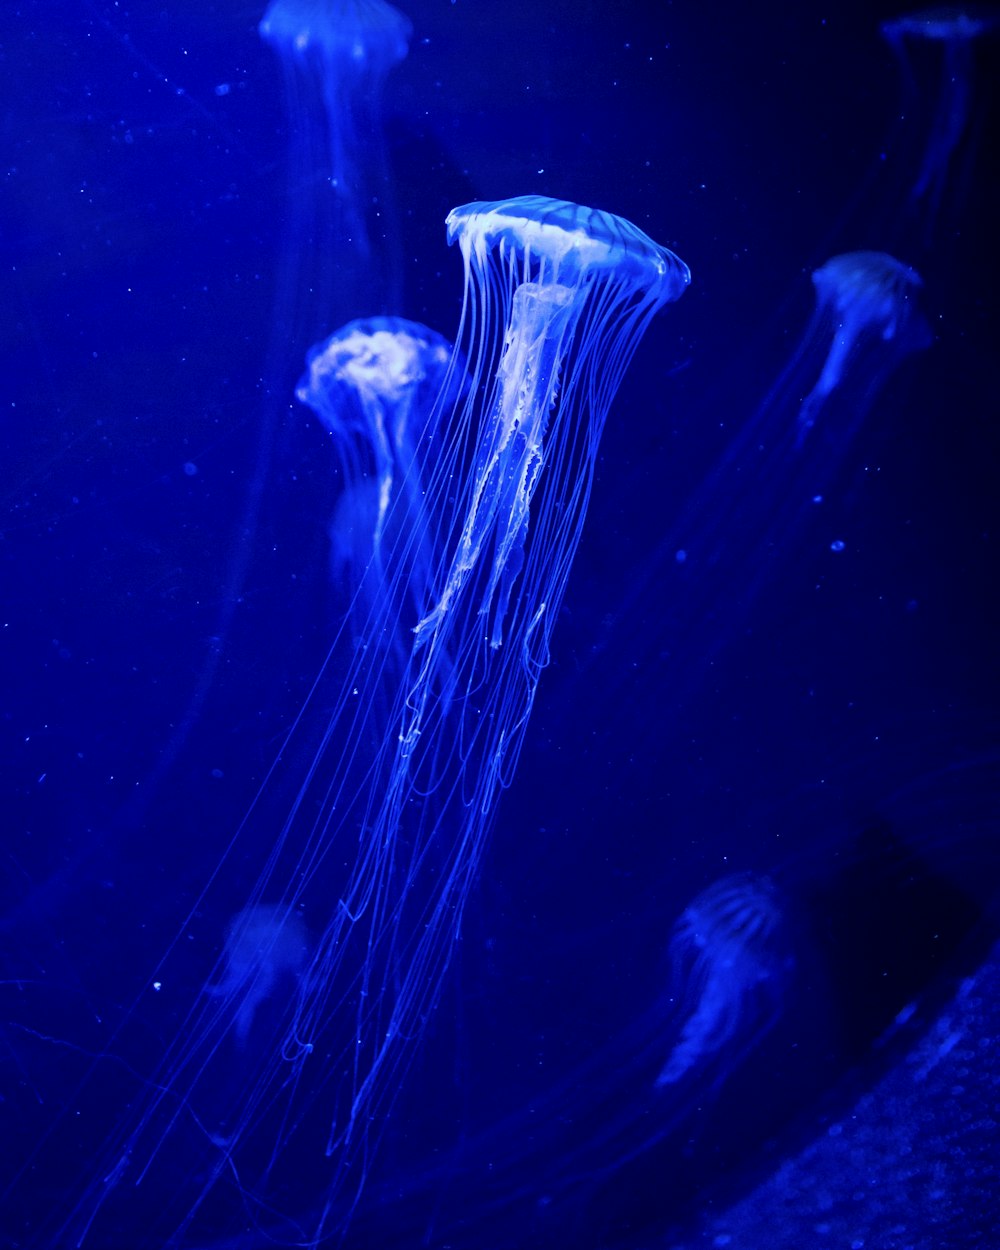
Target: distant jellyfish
[(767, 498), (732, 964), (869, 301), (266, 949), (378, 848), (336, 55), (953, 33), (376, 384)]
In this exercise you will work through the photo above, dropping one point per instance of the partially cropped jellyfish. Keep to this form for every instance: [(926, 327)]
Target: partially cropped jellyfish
[(385, 808), (335, 55), (374, 384), (732, 964), (950, 34)]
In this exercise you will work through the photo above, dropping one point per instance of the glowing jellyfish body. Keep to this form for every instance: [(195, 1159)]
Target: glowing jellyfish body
[(335, 56), (869, 299), (264, 945), (374, 385), (731, 970), (385, 832), (955, 31)]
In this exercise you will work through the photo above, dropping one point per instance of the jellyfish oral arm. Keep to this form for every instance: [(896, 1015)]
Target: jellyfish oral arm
[(510, 460)]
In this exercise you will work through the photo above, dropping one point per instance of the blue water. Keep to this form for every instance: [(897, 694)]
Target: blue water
[(750, 837)]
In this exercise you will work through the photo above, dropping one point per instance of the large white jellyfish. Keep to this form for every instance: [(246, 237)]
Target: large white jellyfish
[(335, 57), (390, 809)]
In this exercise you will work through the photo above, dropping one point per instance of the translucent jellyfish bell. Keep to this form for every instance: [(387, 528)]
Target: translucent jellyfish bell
[(547, 265), (769, 495), (336, 55)]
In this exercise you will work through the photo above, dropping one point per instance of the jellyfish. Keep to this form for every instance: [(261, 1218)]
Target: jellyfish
[(335, 58), (771, 493), (374, 385), (732, 963), (264, 948), (384, 832), (870, 301), (956, 32)]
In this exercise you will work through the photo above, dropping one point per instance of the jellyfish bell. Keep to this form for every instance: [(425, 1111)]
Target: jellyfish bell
[(265, 951), (369, 34), (550, 267)]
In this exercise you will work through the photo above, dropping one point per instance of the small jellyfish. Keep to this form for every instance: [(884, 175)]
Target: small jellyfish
[(732, 965), (375, 385), (335, 55), (869, 300), (955, 31), (768, 494), (266, 947)]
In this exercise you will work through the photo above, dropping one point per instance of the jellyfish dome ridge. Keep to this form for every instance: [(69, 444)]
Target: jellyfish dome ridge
[(363, 32), (577, 242)]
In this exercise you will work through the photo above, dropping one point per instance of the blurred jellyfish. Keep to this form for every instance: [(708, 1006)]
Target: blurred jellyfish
[(379, 847), (779, 475), (374, 385), (732, 964), (869, 300), (265, 948), (335, 56), (955, 32)]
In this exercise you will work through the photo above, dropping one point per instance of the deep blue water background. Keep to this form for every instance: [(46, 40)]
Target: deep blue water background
[(166, 599)]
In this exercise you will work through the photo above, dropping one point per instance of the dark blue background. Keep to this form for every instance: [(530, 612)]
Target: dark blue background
[(166, 601)]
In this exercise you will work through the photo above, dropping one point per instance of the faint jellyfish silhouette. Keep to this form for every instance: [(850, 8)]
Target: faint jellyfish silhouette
[(335, 55), (379, 847), (769, 493), (266, 949), (951, 32), (374, 385), (868, 299), (732, 965)]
